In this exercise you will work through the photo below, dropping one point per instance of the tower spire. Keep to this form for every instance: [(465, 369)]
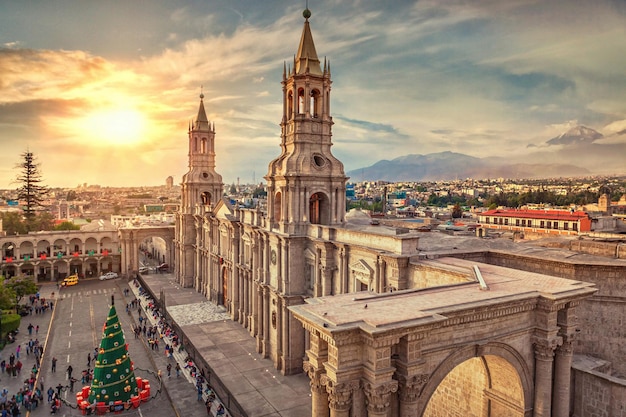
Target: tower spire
[(306, 58)]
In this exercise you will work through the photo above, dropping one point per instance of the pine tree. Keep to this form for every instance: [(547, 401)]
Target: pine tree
[(31, 189), (113, 376)]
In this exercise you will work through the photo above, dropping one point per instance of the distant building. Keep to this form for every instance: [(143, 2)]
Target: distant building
[(169, 182), (559, 222)]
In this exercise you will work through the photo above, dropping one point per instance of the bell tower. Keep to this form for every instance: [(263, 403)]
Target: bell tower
[(202, 188), (306, 183)]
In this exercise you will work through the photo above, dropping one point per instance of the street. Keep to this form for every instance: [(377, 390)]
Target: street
[(76, 329)]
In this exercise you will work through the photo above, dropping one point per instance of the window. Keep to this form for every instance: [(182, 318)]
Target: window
[(575, 227), (524, 223), (542, 224), (516, 222), (565, 225), (506, 222), (549, 225)]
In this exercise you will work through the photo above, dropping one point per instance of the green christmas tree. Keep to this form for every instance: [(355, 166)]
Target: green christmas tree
[(113, 376)]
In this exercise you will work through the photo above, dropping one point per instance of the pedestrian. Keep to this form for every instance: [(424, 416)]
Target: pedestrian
[(50, 394), (59, 388), (169, 370), (199, 388), (220, 410), (17, 351), (30, 328), (88, 359), (177, 370), (72, 380), (69, 371), (54, 364), (208, 405)]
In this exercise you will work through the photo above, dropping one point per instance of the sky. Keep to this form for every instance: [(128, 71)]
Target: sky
[(102, 92)]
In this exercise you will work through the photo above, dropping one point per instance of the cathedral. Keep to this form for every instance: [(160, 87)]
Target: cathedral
[(380, 326), (258, 263)]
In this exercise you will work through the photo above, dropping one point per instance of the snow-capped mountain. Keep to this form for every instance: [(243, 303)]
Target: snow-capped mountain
[(576, 135)]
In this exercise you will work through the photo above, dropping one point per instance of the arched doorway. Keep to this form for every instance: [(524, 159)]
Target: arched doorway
[(481, 386)]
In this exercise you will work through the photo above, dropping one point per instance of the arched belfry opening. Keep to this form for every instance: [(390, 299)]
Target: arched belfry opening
[(289, 105), (319, 210), (315, 105), (206, 198)]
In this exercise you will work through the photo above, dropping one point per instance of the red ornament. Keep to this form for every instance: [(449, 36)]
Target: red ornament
[(9, 259), (105, 252), (43, 256), (75, 254)]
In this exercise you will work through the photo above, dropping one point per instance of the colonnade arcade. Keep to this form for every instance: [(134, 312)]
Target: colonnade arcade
[(55, 255), (503, 359)]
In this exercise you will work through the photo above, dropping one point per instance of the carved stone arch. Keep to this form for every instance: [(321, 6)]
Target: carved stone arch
[(223, 229), (489, 353), (362, 273), (309, 254)]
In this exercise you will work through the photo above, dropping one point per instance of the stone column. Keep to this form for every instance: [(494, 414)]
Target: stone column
[(544, 354), (378, 398), (562, 378), (409, 390), (340, 397), (319, 396)]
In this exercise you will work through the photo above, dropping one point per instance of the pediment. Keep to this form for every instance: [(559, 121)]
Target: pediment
[(361, 267), (223, 210), (309, 254)]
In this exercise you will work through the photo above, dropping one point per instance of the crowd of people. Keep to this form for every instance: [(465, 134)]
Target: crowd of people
[(162, 329)]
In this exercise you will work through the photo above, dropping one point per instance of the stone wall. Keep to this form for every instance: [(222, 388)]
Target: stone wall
[(606, 249), (596, 394)]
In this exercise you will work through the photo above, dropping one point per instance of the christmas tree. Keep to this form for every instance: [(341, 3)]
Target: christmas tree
[(113, 376)]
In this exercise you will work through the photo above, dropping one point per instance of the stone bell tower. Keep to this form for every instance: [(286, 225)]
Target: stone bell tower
[(202, 188), (306, 183)]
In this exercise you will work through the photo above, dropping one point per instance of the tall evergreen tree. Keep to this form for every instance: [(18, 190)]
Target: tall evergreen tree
[(113, 375), (31, 189)]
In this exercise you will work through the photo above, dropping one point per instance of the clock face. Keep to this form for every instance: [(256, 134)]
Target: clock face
[(273, 255)]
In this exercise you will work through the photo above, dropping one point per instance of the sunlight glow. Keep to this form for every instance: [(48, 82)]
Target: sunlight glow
[(116, 126)]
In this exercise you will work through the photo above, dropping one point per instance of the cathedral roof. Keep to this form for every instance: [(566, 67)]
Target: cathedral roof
[(307, 56)]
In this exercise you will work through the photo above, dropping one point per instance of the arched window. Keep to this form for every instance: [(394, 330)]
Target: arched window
[(195, 144), (315, 103), (290, 105), (203, 146), (278, 200)]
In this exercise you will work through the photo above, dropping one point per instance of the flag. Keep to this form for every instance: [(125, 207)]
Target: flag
[(27, 257)]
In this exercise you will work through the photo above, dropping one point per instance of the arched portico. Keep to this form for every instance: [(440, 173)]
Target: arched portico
[(407, 353)]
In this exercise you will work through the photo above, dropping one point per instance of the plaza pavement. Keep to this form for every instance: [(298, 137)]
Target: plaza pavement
[(229, 351), (221, 346)]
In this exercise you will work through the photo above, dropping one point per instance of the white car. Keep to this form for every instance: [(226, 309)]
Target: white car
[(108, 275)]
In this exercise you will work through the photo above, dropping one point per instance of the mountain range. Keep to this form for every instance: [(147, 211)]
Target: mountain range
[(580, 151)]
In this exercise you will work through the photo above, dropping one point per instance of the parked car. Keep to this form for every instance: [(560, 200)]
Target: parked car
[(144, 270), (69, 281), (163, 267), (108, 275)]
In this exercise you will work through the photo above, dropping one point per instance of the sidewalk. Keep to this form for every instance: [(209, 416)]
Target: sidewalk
[(228, 350), (14, 384)]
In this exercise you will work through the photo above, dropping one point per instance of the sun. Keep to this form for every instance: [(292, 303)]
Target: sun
[(116, 126)]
